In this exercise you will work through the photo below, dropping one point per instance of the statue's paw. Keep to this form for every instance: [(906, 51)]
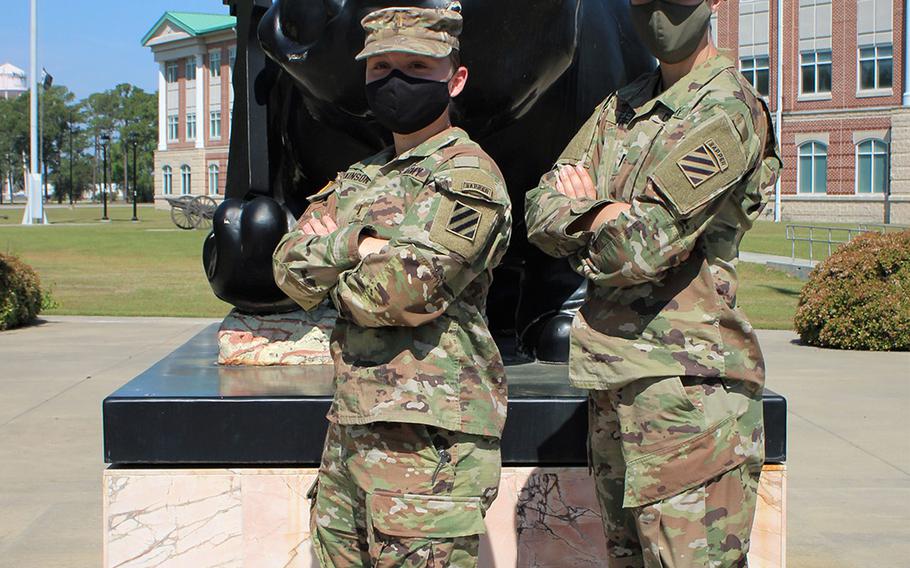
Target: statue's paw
[(237, 254)]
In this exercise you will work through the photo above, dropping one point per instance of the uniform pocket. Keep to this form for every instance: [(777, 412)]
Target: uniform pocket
[(674, 437), (425, 516), (655, 414)]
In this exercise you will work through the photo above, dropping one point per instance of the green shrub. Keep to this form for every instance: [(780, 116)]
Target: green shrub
[(859, 298), (20, 292)]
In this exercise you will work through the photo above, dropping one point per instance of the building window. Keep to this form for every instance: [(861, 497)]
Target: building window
[(754, 42), (815, 47), (871, 166), (813, 168), (170, 71), (232, 56), (191, 69), (874, 22), (168, 181), (213, 179), (215, 63), (191, 126), (173, 127), (215, 124), (875, 67), (756, 70), (815, 76), (185, 180)]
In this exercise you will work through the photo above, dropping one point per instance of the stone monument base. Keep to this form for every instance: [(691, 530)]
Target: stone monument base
[(250, 517)]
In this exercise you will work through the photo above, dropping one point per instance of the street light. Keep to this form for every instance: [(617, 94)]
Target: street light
[(105, 140), (134, 143), (70, 128)]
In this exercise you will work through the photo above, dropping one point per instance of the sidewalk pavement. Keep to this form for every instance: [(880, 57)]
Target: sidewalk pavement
[(849, 455), (762, 258)]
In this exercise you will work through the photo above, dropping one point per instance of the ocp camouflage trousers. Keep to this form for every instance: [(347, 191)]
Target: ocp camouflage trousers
[(398, 494), (677, 464)]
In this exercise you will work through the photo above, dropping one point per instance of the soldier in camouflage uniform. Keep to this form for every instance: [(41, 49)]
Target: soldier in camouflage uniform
[(649, 202), (403, 244)]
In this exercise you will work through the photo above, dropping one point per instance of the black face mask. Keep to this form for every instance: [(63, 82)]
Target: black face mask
[(405, 104)]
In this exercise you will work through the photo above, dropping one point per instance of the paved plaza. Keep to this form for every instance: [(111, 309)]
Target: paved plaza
[(849, 452)]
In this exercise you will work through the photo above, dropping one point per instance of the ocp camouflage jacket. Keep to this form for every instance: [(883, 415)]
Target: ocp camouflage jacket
[(696, 162), (411, 342)]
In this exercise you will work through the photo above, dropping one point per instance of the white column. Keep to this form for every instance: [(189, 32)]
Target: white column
[(201, 84), (905, 55), (780, 101), (162, 106), (34, 208)]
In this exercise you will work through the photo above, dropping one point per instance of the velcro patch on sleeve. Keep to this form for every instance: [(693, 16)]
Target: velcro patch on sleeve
[(702, 166), (463, 225), (474, 183)]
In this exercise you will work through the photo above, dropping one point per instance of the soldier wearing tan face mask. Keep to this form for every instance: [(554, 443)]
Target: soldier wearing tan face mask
[(649, 202)]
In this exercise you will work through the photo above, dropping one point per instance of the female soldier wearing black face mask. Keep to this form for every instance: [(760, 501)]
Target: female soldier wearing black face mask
[(403, 243), (649, 202)]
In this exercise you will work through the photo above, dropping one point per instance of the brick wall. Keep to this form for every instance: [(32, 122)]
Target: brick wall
[(841, 149)]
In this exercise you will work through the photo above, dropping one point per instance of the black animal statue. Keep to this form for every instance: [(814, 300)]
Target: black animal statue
[(537, 70)]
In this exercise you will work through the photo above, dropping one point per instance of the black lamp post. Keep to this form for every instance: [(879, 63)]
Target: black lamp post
[(105, 139), (134, 143), (72, 190)]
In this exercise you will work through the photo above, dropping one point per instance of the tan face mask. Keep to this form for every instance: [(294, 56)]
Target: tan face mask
[(671, 31)]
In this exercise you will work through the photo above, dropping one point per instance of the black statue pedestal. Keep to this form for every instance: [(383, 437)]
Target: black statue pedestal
[(210, 465)]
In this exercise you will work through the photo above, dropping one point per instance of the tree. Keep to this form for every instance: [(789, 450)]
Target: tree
[(127, 114), (70, 135), (13, 138)]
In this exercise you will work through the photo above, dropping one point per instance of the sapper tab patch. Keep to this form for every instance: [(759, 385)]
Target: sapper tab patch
[(464, 221)]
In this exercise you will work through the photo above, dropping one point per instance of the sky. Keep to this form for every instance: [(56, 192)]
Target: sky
[(72, 33)]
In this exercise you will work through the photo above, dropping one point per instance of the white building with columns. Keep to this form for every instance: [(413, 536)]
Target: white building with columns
[(195, 54)]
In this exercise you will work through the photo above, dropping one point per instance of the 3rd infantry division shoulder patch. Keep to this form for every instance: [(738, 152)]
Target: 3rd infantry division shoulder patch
[(463, 221), (703, 163)]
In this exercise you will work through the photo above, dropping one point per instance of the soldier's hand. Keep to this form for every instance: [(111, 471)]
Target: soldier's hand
[(370, 245), (319, 226), (575, 182)]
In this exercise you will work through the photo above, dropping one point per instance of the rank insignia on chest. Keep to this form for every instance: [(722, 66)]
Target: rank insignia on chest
[(703, 163), (361, 210), (463, 221)]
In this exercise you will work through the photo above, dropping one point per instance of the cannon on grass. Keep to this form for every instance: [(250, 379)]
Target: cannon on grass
[(192, 212)]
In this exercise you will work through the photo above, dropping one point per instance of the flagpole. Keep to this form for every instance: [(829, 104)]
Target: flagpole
[(34, 208)]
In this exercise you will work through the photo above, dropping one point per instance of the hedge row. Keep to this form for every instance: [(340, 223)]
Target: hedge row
[(859, 298), (20, 292)]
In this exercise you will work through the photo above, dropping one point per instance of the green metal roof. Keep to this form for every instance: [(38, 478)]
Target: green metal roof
[(193, 23)]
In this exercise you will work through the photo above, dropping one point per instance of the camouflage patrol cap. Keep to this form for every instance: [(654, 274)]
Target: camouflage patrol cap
[(421, 31)]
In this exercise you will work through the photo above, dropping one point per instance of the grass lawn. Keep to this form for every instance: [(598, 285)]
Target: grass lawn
[(151, 268), (120, 268), (769, 237), (768, 296)]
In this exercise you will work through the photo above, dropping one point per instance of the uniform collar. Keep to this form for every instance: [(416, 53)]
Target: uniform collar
[(640, 95), (433, 144)]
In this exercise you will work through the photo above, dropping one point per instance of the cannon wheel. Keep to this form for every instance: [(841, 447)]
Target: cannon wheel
[(180, 215), (202, 210)]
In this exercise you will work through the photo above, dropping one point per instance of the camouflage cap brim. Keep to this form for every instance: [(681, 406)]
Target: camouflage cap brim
[(404, 44)]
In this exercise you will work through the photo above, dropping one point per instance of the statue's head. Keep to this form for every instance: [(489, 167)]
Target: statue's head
[(514, 53)]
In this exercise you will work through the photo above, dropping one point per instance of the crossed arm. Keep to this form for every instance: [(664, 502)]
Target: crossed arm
[(325, 225), (575, 183)]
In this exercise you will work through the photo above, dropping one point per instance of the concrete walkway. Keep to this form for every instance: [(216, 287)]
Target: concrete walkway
[(849, 453), (798, 267), (762, 258)]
